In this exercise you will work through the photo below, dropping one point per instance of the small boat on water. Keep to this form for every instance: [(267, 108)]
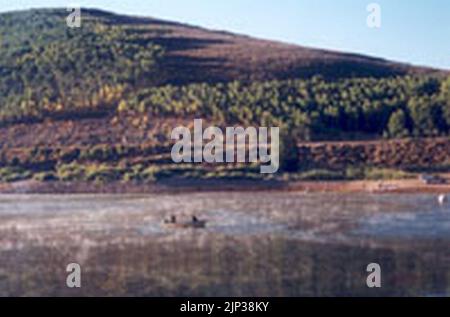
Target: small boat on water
[(194, 223)]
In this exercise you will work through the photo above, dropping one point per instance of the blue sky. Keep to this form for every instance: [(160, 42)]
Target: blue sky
[(414, 31)]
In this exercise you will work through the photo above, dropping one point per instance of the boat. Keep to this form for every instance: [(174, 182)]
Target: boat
[(192, 224)]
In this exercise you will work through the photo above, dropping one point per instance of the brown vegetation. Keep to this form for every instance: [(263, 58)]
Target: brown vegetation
[(432, 153)]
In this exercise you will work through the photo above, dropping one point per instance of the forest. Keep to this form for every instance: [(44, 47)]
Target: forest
[(49, 71), (311, 109), (54, 70)]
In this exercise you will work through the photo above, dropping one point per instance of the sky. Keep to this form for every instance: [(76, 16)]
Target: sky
[(412, 31)]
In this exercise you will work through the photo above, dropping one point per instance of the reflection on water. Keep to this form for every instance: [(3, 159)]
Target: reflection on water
[(255, 244), (428, 225)]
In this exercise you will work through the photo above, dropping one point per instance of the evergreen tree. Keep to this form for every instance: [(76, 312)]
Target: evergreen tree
[(397, 126)]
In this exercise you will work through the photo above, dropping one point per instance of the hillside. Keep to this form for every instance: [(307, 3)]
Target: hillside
[(194, 54), (99, 102), (46, 66)]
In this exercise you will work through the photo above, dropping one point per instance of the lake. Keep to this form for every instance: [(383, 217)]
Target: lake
[(255, 244)]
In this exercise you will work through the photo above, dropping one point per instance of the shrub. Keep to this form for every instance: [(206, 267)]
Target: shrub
[(102, 173), (150, 173), (70, 172), (320, 174), (13, 174), (45, 177), (386, 174)]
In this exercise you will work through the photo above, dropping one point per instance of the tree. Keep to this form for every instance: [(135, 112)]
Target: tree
[(289, 155), (123, 106), (423, 115), (445, 96), (397, 127)]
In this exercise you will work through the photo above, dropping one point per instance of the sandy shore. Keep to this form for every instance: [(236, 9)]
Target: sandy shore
[(178, 186), (395, 186)]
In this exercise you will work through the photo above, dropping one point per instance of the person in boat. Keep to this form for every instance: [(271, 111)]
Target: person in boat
[(195, 219), (172, 219)]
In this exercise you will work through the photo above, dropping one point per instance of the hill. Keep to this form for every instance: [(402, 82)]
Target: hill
[(46, 66), (99, 102)]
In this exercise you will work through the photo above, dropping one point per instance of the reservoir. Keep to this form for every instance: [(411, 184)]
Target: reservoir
[(254, 244)]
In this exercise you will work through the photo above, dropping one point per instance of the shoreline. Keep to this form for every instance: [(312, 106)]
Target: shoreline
[(190, 186)]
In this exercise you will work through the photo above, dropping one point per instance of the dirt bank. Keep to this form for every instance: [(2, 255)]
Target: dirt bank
[(178, 186)]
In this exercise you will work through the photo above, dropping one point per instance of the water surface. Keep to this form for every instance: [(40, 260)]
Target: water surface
[(255, 244)]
